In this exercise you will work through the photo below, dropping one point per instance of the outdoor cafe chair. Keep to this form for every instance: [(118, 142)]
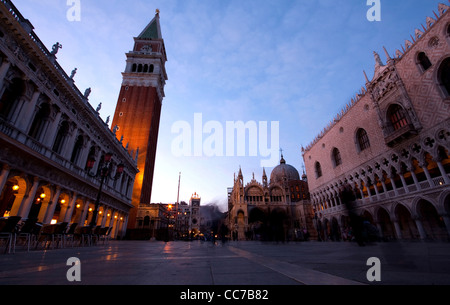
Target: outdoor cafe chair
[(29, 232), (8, 231), (103, 234), (69, 235), (83, 234), (96, 234), (52, 233)]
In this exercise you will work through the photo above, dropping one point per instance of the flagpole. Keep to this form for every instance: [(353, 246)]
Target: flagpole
[(176, 204)]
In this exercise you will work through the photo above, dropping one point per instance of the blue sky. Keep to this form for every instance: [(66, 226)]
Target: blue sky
[(297, 62)]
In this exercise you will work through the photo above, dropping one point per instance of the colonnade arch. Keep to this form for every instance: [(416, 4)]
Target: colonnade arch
[(423, 218), (404, 183), (31, 198)]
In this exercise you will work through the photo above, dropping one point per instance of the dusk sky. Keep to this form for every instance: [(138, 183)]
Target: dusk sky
[(296, 62)]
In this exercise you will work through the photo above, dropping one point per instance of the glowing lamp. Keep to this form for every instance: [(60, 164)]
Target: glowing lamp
[(107, 157), (90, 163)]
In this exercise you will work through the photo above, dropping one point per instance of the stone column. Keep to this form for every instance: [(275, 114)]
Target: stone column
[(26, 115), (25, 207), (416, 181), (394, 187), (82, 158), (114, 224), (375, 187), (361, 190), (108, 219), (397, 229), (427, 174), (69, 144), (3, 71), (45, 203), (383, 184), (402, 178), (4, 177), (105, 216), (84, 213), (443, 173), (51, 131), (380, 229), (367, 185), (446, 219), (51, 207), (419, 225), (124, 226), (70, 208)]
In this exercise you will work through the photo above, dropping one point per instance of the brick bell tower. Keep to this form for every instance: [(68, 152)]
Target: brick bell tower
[(138, 109)]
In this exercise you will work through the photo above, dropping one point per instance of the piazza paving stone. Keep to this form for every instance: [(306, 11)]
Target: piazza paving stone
[(232, 263)]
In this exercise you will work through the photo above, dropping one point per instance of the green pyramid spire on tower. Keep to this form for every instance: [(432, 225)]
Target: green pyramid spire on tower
[(153, 29)]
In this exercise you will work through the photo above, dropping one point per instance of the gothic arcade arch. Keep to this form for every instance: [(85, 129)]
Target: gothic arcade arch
[(407, 226), (432, 223), (385, 224)]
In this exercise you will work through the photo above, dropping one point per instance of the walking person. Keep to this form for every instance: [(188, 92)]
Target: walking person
[(356, 221)]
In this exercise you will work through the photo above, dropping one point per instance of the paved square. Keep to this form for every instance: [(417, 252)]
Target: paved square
[(234, 263)]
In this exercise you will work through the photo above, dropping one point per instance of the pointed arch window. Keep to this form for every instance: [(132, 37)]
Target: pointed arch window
[(397, 117), (362, 139), (423, 61), (444, 77), (336, 157), (318, 170)]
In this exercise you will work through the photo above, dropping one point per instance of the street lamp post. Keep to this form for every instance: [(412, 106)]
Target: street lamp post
[(318, 229), (104, 173)]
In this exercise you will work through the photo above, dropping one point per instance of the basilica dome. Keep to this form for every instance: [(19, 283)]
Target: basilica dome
[(284, 170)]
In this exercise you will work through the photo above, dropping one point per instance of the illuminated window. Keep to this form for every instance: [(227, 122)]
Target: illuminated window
[(397, 117)]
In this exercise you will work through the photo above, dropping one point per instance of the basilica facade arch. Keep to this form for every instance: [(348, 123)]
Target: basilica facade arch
[(275, 209)]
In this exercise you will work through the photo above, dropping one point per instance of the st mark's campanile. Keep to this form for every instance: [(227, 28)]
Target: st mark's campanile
[(138, 109)]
